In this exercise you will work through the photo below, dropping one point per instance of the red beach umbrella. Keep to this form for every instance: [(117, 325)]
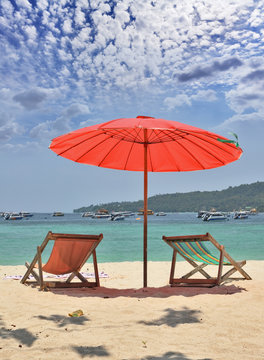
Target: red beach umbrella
[(146, 144)]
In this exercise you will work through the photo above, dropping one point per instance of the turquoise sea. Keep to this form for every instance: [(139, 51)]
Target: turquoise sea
[(123, 240)]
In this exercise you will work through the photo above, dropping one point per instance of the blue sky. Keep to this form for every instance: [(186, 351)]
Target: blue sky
[(71, 64)]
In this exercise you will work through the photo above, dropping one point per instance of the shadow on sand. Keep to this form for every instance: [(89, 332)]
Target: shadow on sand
[(161, 292), (173, 318), (23, 336), (91, 351), (170, 355), (62, 321)]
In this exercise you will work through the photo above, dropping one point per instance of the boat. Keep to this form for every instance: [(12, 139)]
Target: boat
[(214, 216), (253, 211), (13, 216), (161, 213), (117, 217), (241, 215), (25, 214), (149, 212), (201, 213), (101, 216), (127, 213), (87, 214), (102, 212), (58, 213)]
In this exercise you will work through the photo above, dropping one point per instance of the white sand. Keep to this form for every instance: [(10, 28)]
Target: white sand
[(123, 321)]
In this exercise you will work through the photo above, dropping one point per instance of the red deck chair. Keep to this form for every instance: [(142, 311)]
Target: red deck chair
[(68, 255)]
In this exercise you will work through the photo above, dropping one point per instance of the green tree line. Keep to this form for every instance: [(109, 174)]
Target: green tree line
[(232, 198)]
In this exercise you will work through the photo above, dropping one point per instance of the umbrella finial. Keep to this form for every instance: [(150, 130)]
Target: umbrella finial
[(145, 117)]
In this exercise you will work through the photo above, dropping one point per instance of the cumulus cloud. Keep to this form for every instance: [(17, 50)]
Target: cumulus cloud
[(177, 101), (62, 124), (8, 127), (30, 99), (234, 121), (50, 129), (254, 76), (76, 109), (217, 66), (108, 50), (246, 97), (183, 99)]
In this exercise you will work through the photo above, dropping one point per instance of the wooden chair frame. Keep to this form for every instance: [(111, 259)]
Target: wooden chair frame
[(207, 280), (37, 264)]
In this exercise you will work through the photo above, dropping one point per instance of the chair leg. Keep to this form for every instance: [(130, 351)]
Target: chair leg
[(198, 268), (41, 283), (234, 269), (173, 264), (32, 272), (220, 266), (34, 261), (96, 273)]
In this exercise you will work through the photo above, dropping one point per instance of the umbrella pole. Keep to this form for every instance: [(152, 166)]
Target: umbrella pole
[(145, 250)]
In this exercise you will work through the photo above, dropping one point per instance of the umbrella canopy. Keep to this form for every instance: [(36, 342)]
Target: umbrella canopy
[(146, 144)]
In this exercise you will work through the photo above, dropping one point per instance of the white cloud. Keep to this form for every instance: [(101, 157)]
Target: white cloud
[(184, 99), (62, 124), (67, 26), (177, 101), (9, 128), (24, 3), (205, 95), (30, 99)]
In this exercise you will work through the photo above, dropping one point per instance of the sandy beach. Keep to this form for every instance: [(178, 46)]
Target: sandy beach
[(123, 321)]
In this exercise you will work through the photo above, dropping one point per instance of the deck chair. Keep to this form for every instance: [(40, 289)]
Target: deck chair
[(192, 248), (68, 255)]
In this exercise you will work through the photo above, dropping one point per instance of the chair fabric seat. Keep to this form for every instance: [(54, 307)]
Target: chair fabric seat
[(66, 256), (197, 251)]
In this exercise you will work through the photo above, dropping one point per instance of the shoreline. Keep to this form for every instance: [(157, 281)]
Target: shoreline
[(123, 321)]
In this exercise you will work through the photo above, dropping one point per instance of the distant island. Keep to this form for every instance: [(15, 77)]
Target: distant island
[(232, 198)]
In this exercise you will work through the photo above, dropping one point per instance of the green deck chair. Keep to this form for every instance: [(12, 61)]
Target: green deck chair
[(192, 248)]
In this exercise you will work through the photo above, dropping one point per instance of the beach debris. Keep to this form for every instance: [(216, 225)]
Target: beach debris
[(20, 345), (144, 344), (76, 313)]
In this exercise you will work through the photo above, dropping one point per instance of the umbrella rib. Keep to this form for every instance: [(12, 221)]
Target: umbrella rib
[(212, 143), (201, 147), (164, 144), (129, 153), (116, 144), (86, 152), (209, 152), (191, 155), (79, 143)]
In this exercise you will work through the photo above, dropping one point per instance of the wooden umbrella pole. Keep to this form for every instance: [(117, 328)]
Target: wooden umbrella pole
[(145, 251)]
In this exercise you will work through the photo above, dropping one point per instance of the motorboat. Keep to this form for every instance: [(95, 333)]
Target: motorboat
[(161, 213), (58, 213), (214, 216), (13, 216), (241, 215), (117, 217), (87, 214), (101, 216), (201, 213), (127, 213), (25, 214)]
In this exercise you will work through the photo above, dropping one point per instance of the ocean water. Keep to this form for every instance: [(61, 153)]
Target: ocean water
[(123, 240)]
